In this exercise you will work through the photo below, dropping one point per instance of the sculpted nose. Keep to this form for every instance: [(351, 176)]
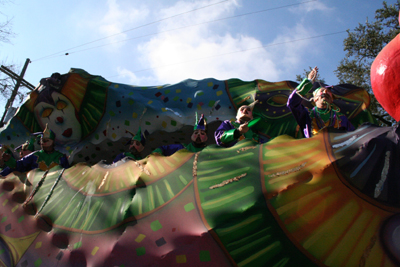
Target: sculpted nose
[(59, 119)]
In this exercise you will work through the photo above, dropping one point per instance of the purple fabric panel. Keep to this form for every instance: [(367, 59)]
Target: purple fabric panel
[(225, 126), (300, 113), (171, 149)]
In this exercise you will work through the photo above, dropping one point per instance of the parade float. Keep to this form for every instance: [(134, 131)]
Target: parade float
[(329, 200)]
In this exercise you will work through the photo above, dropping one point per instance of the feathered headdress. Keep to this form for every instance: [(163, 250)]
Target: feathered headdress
[(200, 124)]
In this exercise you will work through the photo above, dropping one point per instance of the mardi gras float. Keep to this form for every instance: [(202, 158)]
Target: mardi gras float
[(329, 200)]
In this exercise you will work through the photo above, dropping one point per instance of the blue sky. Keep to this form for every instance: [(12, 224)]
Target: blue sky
[(276, 41)]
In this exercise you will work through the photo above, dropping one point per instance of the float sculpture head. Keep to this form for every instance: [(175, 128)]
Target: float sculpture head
[(72, 105), (55, 109)]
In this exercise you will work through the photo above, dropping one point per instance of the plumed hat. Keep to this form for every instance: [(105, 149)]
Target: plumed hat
[(47, 133), (201, 123), (137, 137), (326, 87), (28, 145)]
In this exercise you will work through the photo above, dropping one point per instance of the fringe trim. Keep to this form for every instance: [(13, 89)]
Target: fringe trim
[(367, 251), (246, 148), (385, 170), (235, 179), (295, 169)]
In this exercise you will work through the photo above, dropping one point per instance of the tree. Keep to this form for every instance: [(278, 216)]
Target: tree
[(5, 31), (362, 46), (300, 77), (5, 27), (7, 84)]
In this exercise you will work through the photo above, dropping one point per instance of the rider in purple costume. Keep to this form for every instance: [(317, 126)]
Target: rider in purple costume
[(229, 133), (7, 159), (136, 146), (44, 159), (324, 114), (199, 139)]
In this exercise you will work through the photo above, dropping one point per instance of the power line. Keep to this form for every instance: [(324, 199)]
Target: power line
[(184, 27), (238, 51), (135, 28)]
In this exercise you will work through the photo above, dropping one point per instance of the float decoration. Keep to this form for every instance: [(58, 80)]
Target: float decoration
[(91, 117), (330, 200), (385, 78)]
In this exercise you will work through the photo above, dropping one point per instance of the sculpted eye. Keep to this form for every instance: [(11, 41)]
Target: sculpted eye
[(61, 105), (46, 112)]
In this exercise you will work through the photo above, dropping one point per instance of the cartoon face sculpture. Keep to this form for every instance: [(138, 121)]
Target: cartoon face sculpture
[(60, 114)]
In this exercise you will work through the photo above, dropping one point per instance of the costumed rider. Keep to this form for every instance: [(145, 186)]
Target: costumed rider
[(229, 133), (26, 148), (324, 114), (44, 159), (199, 138), (136, 146), (7, 159)]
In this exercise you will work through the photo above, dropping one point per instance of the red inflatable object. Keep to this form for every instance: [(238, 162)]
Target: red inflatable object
[(385, 77)]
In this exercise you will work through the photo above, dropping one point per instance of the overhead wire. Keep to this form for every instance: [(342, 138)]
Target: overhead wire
[(135, 28), (188, 26), (183, 27)]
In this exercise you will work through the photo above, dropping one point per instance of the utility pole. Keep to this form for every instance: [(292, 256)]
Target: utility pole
[(20, 80)]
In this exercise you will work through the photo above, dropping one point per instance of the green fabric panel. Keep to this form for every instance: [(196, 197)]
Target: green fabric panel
[(238, 212), (228, 136), (304, 87), (12, 163), (192, 148)]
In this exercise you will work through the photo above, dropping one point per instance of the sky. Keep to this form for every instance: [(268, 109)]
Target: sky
[(159, 42)]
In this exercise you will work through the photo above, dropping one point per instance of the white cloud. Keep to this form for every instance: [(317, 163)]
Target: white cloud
[(213, 50), (134, 79), (204, 11), (293, 46), (175, 58), (116, 18), (203, 51), (308, 7)]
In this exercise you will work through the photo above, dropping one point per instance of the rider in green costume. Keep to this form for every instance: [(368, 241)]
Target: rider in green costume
[(136, 146), (199, 139), (44, 159)]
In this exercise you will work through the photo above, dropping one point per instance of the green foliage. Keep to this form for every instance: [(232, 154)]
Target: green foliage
[(362, 46), (7, 84)]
